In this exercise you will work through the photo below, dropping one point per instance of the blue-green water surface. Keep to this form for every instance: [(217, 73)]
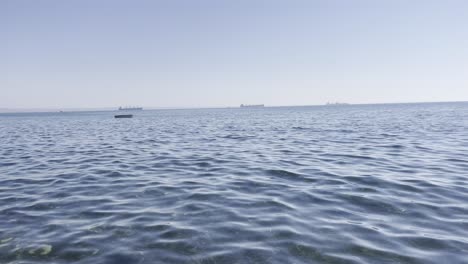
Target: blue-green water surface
[(324, 184)]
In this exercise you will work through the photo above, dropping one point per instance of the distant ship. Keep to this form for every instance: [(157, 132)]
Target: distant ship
[(130, 108), (336, 103), (252, 106)]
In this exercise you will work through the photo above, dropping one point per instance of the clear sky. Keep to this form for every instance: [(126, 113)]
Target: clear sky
[(187, 53)]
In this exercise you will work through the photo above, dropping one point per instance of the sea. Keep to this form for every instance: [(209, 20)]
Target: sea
[(316, 184)]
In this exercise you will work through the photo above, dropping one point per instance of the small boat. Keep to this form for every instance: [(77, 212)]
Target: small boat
[(123, 116)]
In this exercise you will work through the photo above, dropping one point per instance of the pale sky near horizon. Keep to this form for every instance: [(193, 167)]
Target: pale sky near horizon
[(187, 53)]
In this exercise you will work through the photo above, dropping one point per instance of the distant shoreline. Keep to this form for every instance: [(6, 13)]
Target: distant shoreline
[(104, 109)]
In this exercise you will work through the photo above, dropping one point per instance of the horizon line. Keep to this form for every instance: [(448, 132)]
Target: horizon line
[(88, 109)]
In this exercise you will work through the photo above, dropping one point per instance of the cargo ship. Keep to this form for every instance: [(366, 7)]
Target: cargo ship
[(336, 104), (131, 108), (251, 106)]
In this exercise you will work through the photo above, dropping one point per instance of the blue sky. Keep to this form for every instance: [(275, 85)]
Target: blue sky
[(175, 53)]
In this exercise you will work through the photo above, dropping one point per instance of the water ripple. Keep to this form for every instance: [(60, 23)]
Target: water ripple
[(366, 184)]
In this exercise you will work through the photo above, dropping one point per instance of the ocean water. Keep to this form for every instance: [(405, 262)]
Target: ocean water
[(336, 184)]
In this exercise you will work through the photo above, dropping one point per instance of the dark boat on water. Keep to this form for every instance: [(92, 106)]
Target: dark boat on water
[(123, 116)]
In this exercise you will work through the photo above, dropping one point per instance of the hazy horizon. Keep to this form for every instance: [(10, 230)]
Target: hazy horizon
[(79, 109), (181, 54), (149, 107)]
